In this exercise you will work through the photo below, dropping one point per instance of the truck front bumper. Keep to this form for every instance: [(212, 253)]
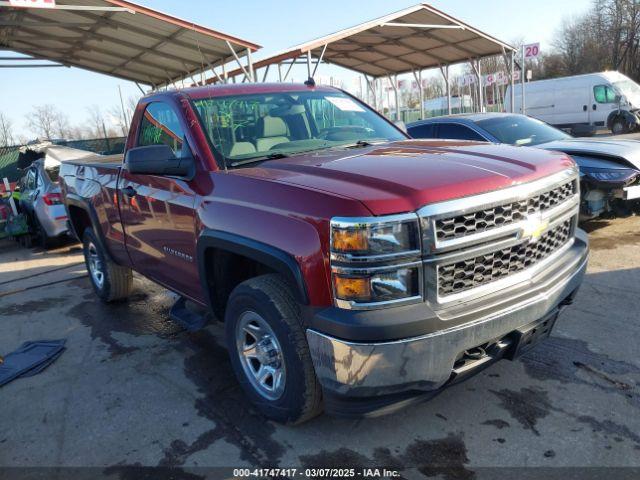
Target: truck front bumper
[(369, 372)]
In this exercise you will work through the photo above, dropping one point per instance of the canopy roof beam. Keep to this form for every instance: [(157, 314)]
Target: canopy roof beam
[(71, 63), (99, 36), (113, 23), (97, 8), (421, 25), (64, 51)]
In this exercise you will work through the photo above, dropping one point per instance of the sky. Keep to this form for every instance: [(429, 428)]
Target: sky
[(276, 25)]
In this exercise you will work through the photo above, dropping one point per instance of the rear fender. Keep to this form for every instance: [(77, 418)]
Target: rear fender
[(71, 199)]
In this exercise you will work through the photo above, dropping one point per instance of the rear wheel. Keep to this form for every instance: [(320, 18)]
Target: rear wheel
[(269, 351), (110, 281), (41, 234)]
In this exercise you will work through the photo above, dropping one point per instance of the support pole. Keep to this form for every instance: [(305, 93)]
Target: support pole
[(480, 87), (286, 75), (309, 64), (371, 86), (215, 74), (324, 49), (418, 76), (280, 72), (522, 74), (266, 71), (512, 84), (393, 80), (252, 74), (235, 55), (475, 64), (445, 74)]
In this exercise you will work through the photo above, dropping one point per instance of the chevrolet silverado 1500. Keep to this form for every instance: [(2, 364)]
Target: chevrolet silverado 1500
[(354, 269)]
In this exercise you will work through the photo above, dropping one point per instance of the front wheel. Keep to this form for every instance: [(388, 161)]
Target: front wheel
[(619, 127), (269, 351), (110, 281)]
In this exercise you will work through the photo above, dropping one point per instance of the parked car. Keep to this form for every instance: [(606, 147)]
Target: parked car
[(41, 201), (354, 269), (40, 197), (582, 103), (609, 168)]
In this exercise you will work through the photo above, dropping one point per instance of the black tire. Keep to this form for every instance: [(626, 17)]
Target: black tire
[(43, 239), (117, 281), (270, 297), (619, 127), (25, 240)]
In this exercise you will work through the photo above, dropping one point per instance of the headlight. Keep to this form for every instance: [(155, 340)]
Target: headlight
[(374, 237), (375, 261), (613, 175), (369, 287)]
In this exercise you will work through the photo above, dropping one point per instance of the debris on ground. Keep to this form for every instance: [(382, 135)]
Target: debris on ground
[(30, 359)]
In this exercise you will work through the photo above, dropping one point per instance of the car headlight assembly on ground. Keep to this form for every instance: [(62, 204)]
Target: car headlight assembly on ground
[(375, 262)]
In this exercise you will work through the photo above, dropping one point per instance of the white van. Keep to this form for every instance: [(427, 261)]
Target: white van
[(582, 103)]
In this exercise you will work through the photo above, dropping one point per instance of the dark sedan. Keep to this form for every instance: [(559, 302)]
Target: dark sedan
[(609, 168)]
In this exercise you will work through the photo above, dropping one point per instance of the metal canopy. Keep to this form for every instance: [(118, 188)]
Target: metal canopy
[(416, 38), (118, 38)]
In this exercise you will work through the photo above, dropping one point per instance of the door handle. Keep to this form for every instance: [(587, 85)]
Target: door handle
[(129, 191), (584, 108), (594, 106)]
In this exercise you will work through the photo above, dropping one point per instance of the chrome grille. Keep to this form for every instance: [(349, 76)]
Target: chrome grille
[(483, 220), (470, 273)]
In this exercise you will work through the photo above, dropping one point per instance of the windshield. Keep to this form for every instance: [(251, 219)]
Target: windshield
[(521, 130), (258, 126), (628, 88)]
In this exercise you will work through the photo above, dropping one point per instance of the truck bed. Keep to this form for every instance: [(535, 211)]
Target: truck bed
[(102, 161)]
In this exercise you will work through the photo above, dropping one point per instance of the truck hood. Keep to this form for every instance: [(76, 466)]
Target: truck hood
[(403, 176), (605, 148)]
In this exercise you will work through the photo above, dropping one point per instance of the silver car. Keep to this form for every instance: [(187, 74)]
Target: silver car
[(41, 201)]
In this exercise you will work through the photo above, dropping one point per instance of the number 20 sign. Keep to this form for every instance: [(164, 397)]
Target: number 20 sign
[(532, 50)]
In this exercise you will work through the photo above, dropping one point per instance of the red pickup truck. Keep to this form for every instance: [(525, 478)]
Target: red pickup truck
[(355, 270)]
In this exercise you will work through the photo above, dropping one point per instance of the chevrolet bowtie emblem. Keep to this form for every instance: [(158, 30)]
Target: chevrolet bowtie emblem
[(533, 227)]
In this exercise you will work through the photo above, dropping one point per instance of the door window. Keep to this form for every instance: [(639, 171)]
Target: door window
[(160, 126), (604, 94), (422, 131), (30, 182), (458, 132)]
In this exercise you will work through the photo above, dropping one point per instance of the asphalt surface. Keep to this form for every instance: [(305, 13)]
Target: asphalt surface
[(135, 389)]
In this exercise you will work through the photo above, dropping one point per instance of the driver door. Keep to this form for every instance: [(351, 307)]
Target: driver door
[(157, 212)]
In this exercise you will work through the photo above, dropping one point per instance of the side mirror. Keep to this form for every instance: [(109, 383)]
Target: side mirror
[(402, 126), (158, 160)]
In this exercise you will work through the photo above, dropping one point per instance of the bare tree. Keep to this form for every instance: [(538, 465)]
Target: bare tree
[(607, 37), (96, 122), (6, 131), (42, 120)]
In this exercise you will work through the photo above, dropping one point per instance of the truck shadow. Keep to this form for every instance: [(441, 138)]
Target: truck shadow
[(584, 359), (573, 356)]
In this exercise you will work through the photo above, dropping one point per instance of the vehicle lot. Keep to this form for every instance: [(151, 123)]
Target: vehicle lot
[(135, 389)]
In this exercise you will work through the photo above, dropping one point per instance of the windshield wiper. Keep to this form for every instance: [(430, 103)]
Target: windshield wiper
[(362, 144), (270, 156)]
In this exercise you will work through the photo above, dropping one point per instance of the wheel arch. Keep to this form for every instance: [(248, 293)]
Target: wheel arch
[(81, 216), (212, 243)]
